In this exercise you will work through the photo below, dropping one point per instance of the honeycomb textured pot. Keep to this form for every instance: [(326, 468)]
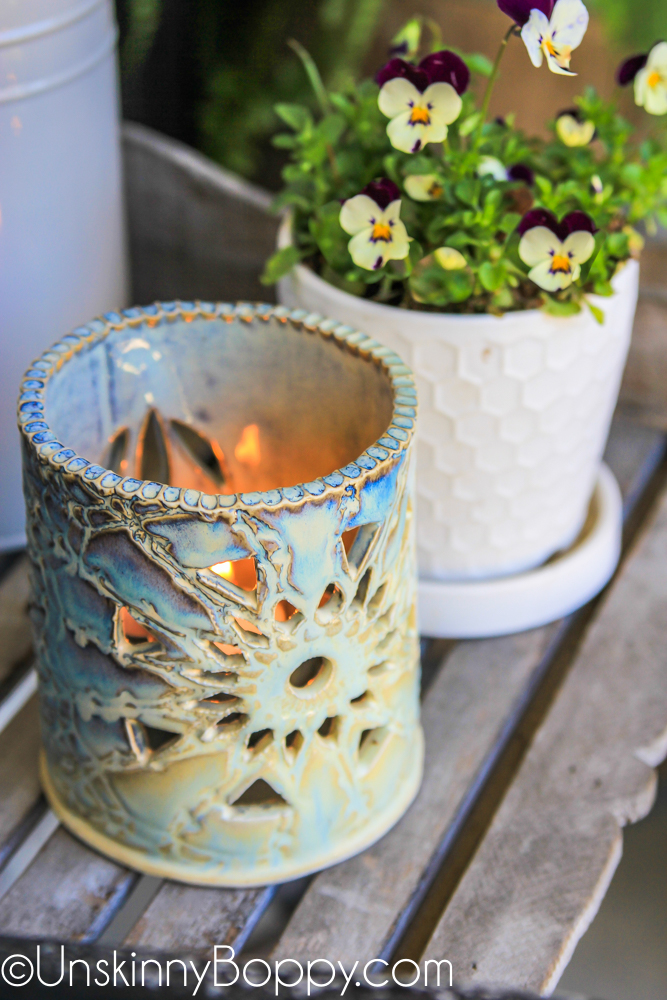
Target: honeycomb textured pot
[(513, 419), (219, 506)]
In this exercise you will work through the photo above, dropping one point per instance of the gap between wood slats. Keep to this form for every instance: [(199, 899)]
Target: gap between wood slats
[(416, 924)]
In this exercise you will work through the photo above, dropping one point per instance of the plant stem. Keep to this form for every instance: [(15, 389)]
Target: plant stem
[(494, 76), (313, 75)]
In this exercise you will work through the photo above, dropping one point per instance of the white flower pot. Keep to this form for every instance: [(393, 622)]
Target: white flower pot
[(62, 254), (514, 415)]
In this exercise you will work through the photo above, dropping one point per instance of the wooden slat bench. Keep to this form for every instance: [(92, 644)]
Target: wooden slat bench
[(539, 746)]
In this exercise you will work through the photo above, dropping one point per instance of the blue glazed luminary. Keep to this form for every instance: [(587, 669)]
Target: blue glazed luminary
[(220, 523)]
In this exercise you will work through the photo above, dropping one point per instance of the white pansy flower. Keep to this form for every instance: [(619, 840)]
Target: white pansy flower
[(651, 82), (556, 37), (490, 166), (424, 187), (422, 101), (372, 218), (555, 251)]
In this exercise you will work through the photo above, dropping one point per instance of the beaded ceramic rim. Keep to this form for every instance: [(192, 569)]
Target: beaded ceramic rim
[(104, 482)]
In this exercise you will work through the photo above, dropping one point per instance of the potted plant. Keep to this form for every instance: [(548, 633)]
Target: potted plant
[(503, 269)]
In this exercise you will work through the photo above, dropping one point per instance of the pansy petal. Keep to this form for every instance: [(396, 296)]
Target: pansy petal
[(450, 259), (550, 281), (537, 245), (657, 60), (358, 213), (365, 253), (653, 98), (410, 138), (556, 65), (423, 187), (398, 95), (574, 133), (569, 22), (445, 103), (490, 166), (533, 31), (392, 213), (579, 246), (520, 10), (399, 248)]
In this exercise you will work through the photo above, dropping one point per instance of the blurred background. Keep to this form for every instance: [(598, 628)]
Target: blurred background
[(208, 73)]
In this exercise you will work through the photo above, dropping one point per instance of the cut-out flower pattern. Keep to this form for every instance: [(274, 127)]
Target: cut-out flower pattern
[(422, 101), (548, 28), (555, 250), (649, 74), (372, 218)]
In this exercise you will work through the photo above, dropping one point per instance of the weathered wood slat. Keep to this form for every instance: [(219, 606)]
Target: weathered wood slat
[(214, 916), (357, 909), (547, 859), (62, 892), (19, 780), (15, 636), (196, 231)]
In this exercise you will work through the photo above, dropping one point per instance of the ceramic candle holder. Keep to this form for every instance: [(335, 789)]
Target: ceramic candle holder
[(219, 508)]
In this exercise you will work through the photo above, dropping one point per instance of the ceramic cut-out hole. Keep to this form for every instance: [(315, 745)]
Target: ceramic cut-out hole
[(203, 452), (370, 744), (311, 676), (332, 599), (360, 544), (284, 611), (260, 794), (362, 699), (329, 728), (220, 698), (259, 740), (242, 573), (227, 649), (147, 740), (376, 600), (294, 741), (379, 669), (159, 739), (362, 590), (152, 453), (232, 720), (134, 632), (117, 456)]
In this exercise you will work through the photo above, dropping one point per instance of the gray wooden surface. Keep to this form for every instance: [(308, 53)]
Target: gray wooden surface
[(501, 860)]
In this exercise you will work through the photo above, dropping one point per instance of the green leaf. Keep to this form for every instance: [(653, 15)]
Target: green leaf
[(477, 63), (597, 312), (330, 236), (492, 276), (284, 141), (280, 264), (557, 307), (294, 115), (470, 123)]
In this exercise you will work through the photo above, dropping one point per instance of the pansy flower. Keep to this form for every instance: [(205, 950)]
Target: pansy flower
[(555, 250), (450, 259), (573, 129), (490, 166), (422, 101), (551, 28), (372, 220), (424, 187), (649, 73)]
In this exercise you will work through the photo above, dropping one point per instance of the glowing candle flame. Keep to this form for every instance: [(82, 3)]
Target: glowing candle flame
[(247, 451)]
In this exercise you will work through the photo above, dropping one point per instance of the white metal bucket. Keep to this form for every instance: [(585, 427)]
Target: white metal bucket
[(62, 247)]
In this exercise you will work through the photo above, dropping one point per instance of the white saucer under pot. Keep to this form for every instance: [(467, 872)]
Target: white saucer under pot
[(514, 414)]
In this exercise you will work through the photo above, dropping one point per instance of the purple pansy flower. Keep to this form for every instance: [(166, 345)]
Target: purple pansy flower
[(519, 10), (555, 250), (628, 70), (422, 101), (383, 192), (521, 172)]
